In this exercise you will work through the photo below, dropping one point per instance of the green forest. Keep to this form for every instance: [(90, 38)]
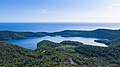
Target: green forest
[(63, 54), (98, 33)]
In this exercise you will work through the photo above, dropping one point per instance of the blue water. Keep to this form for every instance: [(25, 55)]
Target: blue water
[(30, 43), (54, 27)]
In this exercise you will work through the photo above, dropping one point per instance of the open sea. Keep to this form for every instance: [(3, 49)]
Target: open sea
[(55, 27)]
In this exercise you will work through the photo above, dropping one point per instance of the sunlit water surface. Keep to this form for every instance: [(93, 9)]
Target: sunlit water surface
[(31, 43)]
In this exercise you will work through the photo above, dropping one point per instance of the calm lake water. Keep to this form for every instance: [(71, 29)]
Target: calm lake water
[(30, 43)]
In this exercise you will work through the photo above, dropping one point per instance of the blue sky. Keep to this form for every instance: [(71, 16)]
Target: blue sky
[(59, 11)]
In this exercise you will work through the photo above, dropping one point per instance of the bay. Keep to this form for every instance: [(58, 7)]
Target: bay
[(30, 43)]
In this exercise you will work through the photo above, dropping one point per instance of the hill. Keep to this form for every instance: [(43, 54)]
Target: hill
[(51, 54), (98, 33)]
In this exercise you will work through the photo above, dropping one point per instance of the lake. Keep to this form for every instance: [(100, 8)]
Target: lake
[(31, 43)]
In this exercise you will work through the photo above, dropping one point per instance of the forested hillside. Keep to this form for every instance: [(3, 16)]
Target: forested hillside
[(8, 35), (51, 54), (63, 54), (99, 33)]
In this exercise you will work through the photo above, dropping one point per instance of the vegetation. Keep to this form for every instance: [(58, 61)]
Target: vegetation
[(99, 33), (51, 54), (8, 35), (106, 42), (64, 54), (109, 42), (75, 43)]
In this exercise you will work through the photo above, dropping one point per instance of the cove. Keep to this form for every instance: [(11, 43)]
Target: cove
[(31, 43)]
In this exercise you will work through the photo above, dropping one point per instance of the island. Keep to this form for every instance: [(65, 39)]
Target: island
[(63, 54), (98, 33)]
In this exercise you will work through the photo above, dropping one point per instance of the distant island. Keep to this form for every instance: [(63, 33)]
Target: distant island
[(59, 33), (98, 33), (65, 53)]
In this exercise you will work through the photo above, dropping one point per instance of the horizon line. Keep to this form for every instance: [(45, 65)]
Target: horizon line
[(55, 22)]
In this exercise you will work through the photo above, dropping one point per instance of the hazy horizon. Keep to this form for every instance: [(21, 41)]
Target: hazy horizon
[(57, 22)]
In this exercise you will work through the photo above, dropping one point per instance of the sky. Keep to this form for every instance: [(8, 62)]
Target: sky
[(60, 11)]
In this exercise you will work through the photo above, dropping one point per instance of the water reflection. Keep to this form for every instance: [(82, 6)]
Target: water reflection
[(30, 43)]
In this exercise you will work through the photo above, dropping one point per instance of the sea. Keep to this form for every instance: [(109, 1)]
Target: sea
[(55, 27), (30, 43)]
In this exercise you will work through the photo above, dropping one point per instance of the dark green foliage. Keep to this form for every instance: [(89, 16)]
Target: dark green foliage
[(32, 34), (106, 42), (46, 43), (64, 54), (99, 33), (51, 54), (74, 43), (8, 35), (94, 51), (112, 42)]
